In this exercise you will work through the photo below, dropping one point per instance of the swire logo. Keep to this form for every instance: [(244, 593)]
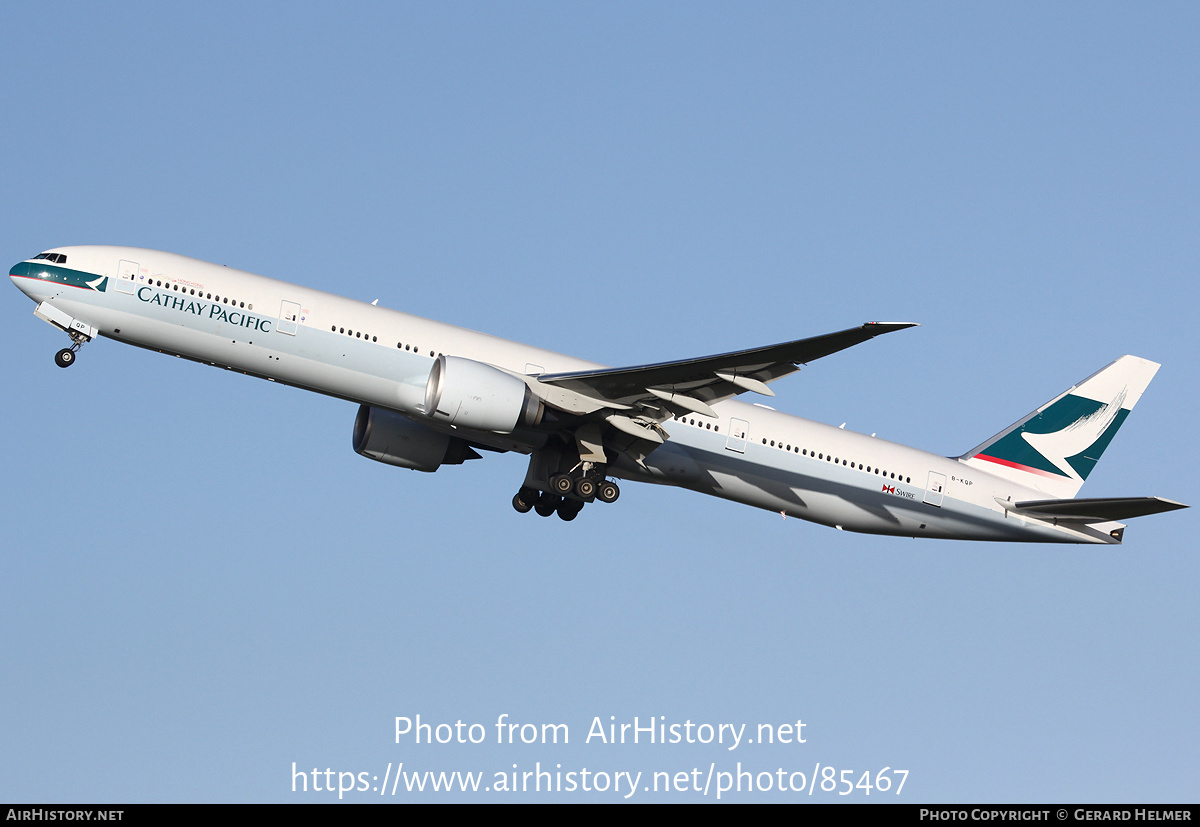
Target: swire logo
[(898, 492)]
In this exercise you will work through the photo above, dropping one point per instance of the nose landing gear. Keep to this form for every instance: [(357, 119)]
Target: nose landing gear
[(66, 357)]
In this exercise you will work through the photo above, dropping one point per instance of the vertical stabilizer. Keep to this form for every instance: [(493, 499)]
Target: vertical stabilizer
[(1054, 448)]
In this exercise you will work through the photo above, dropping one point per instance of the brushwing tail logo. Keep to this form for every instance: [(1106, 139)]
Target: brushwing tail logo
[(1068, 448), (1064, 440)]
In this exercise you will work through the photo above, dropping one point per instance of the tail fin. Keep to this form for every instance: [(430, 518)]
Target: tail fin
[(1054, 448)]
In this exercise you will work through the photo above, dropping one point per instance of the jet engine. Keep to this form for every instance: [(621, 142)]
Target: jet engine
[(388, 437), (470, 394)]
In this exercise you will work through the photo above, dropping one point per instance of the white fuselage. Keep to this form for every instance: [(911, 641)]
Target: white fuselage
[(380, 357)]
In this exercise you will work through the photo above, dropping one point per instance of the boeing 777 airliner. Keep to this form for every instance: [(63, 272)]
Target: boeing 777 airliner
[(432, 394)]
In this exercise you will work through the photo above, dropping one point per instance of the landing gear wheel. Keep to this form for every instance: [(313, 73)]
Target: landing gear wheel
[(607, 492), (525, 499), (547, 504), (561, 484), (64, 358), (569, 509), (585, 489)]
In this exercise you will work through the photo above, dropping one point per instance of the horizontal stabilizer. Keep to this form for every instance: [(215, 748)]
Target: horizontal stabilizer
[(1098, 509)]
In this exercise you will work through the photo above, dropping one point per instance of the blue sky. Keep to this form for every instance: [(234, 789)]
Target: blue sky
[(203, 584)]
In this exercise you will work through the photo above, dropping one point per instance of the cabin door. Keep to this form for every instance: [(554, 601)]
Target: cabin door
[(738, 429), (289, 314), (935, 489), (126, 276)]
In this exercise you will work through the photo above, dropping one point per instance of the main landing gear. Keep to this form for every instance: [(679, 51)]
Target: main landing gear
[(566, 497), (566, 474), (66, 357)]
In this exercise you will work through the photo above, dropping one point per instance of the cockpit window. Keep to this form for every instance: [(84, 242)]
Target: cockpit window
[(57, 258)]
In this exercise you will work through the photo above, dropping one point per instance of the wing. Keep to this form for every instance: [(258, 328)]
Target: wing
[(715, 378), (649, 394)]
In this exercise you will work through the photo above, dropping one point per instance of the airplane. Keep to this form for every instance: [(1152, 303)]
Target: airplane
[(432, 394)]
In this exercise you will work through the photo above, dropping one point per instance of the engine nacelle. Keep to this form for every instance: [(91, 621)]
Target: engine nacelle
[(470, 394), (388, 437)]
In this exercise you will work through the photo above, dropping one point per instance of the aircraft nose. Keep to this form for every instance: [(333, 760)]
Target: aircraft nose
[(24, 284)]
